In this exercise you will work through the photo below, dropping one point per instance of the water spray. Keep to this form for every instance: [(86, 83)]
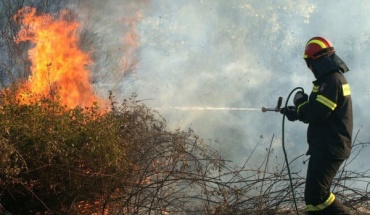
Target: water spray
[(197, 108)]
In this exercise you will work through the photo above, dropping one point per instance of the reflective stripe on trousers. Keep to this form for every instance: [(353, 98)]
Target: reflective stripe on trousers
[(323, 205)]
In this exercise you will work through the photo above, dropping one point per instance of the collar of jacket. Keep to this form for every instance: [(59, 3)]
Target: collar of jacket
[(328, 64)]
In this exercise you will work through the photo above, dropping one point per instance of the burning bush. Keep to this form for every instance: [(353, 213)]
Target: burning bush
[(53, 157), (61, 154), (79, 161)]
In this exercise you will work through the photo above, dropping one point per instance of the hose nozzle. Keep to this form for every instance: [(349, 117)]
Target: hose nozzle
[(276, 109)]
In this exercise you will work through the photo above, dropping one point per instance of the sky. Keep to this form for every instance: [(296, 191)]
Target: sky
[(237, 54)]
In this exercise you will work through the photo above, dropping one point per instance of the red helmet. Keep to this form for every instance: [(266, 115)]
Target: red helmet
[(317, 47)]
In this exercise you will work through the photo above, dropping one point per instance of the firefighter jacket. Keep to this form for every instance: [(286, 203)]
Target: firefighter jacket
[(328, 110)]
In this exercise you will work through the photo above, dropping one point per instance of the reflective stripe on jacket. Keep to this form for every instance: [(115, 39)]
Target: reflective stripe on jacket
[(329, 114)]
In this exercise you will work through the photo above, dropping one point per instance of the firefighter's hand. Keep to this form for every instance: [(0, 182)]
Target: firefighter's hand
[(290, 113), (299, 98)]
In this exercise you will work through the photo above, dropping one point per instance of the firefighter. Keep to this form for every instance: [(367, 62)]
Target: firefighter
[(328, 112)]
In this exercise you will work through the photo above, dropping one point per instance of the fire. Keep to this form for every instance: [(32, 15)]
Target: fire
[(130, 43), (58, 64)]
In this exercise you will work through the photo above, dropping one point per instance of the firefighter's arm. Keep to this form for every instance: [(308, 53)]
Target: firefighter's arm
[(313, 112), (321, 105)]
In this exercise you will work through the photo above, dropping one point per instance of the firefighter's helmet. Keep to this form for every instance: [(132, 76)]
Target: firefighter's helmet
[(317, 47)]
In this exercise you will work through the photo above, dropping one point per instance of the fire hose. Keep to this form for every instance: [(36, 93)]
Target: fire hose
[(277, 109)]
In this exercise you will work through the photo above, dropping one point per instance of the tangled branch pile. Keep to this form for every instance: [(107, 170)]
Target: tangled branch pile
[(56, 160)]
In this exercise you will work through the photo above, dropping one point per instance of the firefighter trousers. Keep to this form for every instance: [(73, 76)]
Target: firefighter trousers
[(318, 198)]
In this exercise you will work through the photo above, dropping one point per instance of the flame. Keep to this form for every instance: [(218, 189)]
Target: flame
[(58, 64), (130, 43)]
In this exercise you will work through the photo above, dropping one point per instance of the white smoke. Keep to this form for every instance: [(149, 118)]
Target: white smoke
[(242, 54)]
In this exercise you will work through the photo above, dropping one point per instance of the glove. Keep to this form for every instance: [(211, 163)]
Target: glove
[(290, 113), (299, 98)]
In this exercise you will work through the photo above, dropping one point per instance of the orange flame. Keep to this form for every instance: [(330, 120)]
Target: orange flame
[(130, 43), (57, 61)]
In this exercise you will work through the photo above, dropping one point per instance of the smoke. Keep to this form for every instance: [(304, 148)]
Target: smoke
[(242, 54), (223, 54), (112, 26)]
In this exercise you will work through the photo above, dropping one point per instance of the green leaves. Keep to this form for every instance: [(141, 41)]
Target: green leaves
[(56, 154)]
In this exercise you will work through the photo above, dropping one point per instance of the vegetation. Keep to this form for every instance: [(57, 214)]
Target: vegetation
[(56, 160), (14, 62), (124, 160)]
